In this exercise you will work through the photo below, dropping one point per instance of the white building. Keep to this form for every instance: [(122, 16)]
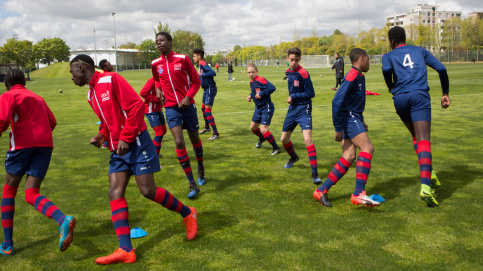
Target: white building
[(425, 14), (125, 57)]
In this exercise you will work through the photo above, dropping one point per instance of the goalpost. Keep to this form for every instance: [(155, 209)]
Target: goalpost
[(315, 61)]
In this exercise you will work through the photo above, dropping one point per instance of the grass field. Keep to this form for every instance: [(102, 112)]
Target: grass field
[(253, 213)]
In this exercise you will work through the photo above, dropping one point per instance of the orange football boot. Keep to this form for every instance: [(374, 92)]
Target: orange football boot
[(191, 224), (119, 256)]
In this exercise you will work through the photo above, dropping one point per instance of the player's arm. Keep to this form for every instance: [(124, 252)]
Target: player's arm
[(208, 71), (52, 120), (6, 111), (337, 102), (387, 72), (268, 89), (145, 91), (309, 92), (194, 77), (434, 63)]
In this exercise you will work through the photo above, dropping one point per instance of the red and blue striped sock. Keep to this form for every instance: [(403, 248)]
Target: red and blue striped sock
[(211, 120), (44, 205), (425, 160), (363, 168), (258, 133), (159, 132), (120, 219), (269, 137), (289, 148), (184, 161), (415, 144), (312, 158), (8, 210), (168, 201), (198, 148), (203, 109), (337, 172)]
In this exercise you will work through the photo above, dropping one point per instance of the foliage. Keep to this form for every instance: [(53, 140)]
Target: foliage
[(162, 28), (185, 41), (49, 50), (147, 51), (18, 51), (127, 45)]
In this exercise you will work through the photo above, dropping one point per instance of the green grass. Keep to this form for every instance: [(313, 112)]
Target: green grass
[(253, 214), (56, 70)]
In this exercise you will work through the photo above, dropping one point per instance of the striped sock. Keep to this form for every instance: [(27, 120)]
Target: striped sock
[(337, 172), (425, 161), (198, 148), (184, 161), (415, 144), (44, 205), (120, 219), (258, 133), (312, 158), (363, 167), (269, 137), (159, 132), (8, 210), (289, 148), (211, 120), (168, 201), (203, 109)]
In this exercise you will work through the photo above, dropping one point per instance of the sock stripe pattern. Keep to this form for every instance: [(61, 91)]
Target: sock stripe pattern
[(269, 137), (8, 210), (289, 148), (203, 109), (44, 205), (338, 171), (258, 133), (159, 132), (425, 161), (415, 144), (120, 219), (198, 148), (312, 158), (211, 120), (363, 168), (167, 200), (184, 161)]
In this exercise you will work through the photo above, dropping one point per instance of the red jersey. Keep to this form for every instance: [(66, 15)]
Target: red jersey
[(151, 103), (176, 76), (118, 106), (31, 119)]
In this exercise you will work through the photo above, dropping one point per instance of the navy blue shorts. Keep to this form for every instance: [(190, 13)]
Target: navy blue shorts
[(188, 118), (263, 115), (298, 114), (209, 95), (352, 126), (141, 158), (155, 118), (33, 161), (413, 106)]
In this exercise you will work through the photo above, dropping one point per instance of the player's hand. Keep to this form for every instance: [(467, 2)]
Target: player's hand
[(338, 136), (258, 96), (159, 95), (249, 98), (390, 89), (200, 73), (289, 100), (365, 126), (445, 101), (185, 103), (122, 148), (331, 69), (98, 140)]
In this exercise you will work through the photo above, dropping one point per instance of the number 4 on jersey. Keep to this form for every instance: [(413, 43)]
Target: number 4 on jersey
[(407, 61)]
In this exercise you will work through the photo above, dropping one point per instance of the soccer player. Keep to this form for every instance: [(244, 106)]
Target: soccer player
[(208, 84), (153, 109), (105, 65), (177, 83), (120, 110), (351, 130), (30, 151), (339, 70), (406, 64), (261, 90), (301, 91)]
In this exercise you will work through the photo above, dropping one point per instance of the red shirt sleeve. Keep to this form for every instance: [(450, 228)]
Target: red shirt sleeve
[(194, 77), (52, 120), (150, 85), (6, 109)]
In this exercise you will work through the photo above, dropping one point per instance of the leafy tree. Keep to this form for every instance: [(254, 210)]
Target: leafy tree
[(18, 51), (128, 45), (147, 51), (185, 41), (49, 50), (162, 28)]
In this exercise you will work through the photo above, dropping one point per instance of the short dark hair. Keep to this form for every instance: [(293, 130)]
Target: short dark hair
[(165, 34), (199, 52), (14, 77), (85, 60), (102, 64), (355, 54), (397, 34), (294, 51)]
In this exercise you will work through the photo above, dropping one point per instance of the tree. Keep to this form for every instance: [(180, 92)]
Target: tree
[(20, 52), (127, 45), (162, 28), (49, 50), (185, 41), (147, 51)]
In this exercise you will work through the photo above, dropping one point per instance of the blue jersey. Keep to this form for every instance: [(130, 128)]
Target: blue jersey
[(300, 87), (264, 88), (349, 98), (406, 65), (207, 74)]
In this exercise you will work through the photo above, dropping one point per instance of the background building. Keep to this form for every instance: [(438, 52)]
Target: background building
[(422, 13), (127, 58)]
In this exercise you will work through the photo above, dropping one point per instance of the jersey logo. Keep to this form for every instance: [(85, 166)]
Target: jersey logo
[(177, 67), (296, 83), (105, 96), (160, 70)]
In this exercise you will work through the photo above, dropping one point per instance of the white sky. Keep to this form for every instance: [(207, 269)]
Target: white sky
[(222, 23)]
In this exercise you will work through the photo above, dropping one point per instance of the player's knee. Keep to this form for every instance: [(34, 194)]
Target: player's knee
[(369, 149), (308, 141), (148, 192), (30, 196), (264, 129)]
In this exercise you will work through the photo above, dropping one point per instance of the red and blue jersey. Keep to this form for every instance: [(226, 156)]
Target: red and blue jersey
[(264, 89), (176, 76), (406, 65), (148, 92), (300, 87), (207, 73), (350, 98), (31, 119), (118, 106)]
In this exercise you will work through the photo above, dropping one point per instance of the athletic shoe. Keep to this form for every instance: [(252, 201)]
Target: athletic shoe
[(364, 200), (315, 178), (160, 155), (276, 151), (435, 184), (194, 190), (214, 136), (66, 232), (191, 224), (427, 196), (290, 162), (6, 251), (119, 256), (334, 89), (259, 144), (322, 198), (201, 176), (205, 130)]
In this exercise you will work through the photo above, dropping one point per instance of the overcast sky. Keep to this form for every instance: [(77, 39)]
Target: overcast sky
[(222, 23)]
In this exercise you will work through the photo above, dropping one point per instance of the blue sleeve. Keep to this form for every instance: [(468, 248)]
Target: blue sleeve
[(434, 63), (309, 92), (337, 102), (268, 89), (387, 71), (208, 71)]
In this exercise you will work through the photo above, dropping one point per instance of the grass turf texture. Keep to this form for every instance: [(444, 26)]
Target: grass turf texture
[(253, 213)]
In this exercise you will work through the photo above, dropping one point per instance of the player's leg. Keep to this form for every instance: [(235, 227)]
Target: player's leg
[(157, 122), (198, 149), (270, 138), (254, 128), (211, 121), (190, 120), (8, 210), (183, 158), (309, 144), (203, 109), (288, 126)]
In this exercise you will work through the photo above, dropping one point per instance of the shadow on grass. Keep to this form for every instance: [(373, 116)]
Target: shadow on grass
[(455, 178), (392, 188)]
